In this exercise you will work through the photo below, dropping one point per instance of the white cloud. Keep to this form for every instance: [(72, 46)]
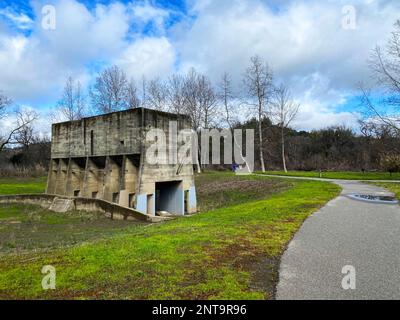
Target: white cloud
[(20, 20), (81, 35), (299, 40), (144, 13), (34, 67), (151, 57), (303, 41)]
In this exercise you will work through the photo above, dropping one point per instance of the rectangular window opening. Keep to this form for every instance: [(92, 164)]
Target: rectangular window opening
[(91, 142), (115, 197), (132, 200)]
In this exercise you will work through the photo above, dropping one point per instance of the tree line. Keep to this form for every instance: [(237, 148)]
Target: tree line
[(193, 94), (264, 105)]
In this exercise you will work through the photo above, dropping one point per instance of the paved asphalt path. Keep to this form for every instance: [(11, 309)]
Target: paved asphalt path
[(345, 232)]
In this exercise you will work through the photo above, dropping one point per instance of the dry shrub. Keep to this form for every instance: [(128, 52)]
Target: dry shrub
[(390, 162), (10, 171)]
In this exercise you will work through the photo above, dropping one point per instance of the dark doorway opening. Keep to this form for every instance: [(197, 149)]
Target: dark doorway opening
[(169, 197), (115, 197), (132, 198)]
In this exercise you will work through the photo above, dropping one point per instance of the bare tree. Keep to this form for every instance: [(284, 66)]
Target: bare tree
[(199, 101), (375, 111), (385, 66), (258, 82), (175, 90), (192, 107), (226, 96), (109, 92), (21, 131), (132, 95), (25, 136), (144, 92), (207, 99), (157, 95), (283, 110), (4, 103), (71, 106), (191, 100)]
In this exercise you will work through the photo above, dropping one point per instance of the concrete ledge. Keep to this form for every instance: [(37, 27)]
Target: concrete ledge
[(42, 200), (111, 210)]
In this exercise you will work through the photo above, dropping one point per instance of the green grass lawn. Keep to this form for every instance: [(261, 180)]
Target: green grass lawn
[(340, 175), (229, 251), (22, 185)]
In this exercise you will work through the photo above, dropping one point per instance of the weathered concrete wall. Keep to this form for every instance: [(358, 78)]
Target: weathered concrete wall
[(192, 198), (61, 180), (94, 178), (75, 176), (42, 200), (111, 210), (104, 157), (153, 173), (111, 134), (129, 182)]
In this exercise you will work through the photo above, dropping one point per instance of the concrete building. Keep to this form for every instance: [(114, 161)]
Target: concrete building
[(104, 157)]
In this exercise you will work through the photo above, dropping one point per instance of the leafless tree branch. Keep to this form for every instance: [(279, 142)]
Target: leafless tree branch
[(258, 81)]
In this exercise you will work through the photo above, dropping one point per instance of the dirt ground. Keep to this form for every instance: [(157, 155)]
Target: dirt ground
[(214, 192), (24, 227)]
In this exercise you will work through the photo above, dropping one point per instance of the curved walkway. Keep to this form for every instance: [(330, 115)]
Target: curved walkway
[(345, 232)]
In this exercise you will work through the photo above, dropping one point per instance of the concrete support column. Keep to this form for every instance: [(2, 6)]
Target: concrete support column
[(75, 177), (61, 183), (128, 184), (112, 180), (94, 180), (69, 188), (122, 174), (85, 189), (52, 177), (105, 178)]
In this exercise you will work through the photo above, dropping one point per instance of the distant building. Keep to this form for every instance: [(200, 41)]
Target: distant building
[(104, 157)]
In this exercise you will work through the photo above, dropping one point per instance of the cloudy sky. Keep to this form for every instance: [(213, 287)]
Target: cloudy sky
[(314, 46)]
